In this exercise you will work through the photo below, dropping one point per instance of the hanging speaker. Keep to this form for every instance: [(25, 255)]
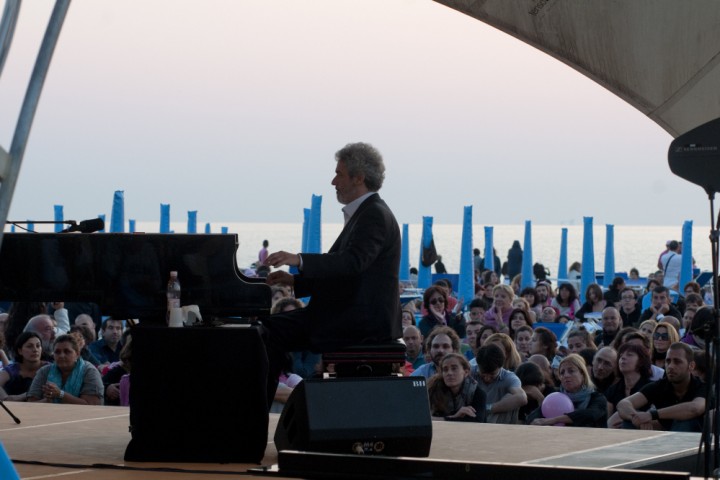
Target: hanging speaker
[(695, 156), (366, 416)]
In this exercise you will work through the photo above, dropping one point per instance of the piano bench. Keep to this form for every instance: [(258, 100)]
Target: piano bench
[(372, 360)]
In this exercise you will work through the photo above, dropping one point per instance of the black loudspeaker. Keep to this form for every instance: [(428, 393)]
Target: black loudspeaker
[(695, 156), (198, 395), (367, 416)]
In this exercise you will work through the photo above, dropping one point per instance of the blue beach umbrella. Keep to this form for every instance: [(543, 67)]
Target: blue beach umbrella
[(131, 226), (466, 287), (609, 255), (424, 273), (562, 264), (164, 218), (489, 254), (30, 226), (224, 230), (207, 228), (315, 236), (528, 279), (117, 215), (588, 257), (686, 269), (192, 221), (404, 274), (7, 469), (59, 217), (305, 231)]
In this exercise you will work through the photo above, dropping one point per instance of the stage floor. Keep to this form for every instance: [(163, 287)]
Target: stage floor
[(82, 439)]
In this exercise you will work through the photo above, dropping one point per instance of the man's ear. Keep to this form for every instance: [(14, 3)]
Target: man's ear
[(358, 179)]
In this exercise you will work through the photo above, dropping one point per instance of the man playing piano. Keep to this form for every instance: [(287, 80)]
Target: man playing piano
[(353, 289)]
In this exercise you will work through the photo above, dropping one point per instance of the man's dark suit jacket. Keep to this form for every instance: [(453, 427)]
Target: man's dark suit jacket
[(354, 288)]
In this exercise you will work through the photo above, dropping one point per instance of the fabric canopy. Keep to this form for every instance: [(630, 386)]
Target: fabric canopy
[(661, 56)]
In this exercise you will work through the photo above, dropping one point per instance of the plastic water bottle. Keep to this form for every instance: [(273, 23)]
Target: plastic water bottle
[(173, 292)]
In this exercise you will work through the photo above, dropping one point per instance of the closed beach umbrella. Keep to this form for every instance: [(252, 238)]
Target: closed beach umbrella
[(404, 273), (424, 273), (224, 230), (466, 287), (305, 231), (192, 221), (315, 237), (686, 268), (562, 264), (59, 217), (31, 226), (527, 261), (164, 218), (489, 255), (609, 255), (207, 228), (588, 257), (131, 226), (117, 215)]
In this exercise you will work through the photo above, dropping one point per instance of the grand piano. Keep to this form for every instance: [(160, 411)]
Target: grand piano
[(198, 394), (127, 274)]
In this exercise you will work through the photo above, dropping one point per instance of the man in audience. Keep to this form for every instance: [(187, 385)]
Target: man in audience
[(611, 325), (413, 346), (85, 320), (603, 368), (503, 389), (440, 342), (44, 326), (629, 308), (472, 330), (107, 349), (544, 293), (678, 400), (660, 306)]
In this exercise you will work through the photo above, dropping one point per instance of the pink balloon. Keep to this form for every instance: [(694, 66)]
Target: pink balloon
[(556, 404)]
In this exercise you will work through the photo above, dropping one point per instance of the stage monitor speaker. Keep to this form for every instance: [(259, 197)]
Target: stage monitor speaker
[(367, 416), (695, 156), (198, 395)]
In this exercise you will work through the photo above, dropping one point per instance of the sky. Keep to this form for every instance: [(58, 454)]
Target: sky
[(235, 108)]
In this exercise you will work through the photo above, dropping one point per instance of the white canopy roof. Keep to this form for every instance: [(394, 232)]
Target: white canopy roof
[(661, 56)]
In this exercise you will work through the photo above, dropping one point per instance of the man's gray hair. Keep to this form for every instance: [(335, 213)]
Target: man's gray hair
[(363, 159)]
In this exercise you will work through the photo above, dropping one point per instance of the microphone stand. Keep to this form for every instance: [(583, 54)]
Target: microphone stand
[(72, 223), (16, 419), (711, 429)]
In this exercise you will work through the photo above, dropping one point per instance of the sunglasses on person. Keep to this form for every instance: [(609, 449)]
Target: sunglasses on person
[(435, 301), (661, 336)]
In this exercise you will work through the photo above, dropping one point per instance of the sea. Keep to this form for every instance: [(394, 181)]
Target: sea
[(634, 246)]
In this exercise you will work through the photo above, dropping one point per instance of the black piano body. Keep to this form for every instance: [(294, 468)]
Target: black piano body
[(126, 274)]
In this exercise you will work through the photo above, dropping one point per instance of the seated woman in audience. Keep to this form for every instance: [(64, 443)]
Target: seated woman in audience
[(523, 304), (435, 302), (648, 327), (535, 386), (512, 357), (522, 341), (590, 406), (408, 318), (594, 302), (499, 314), (635, 372), (579, 339), (663, 336), (485, 333), (543, 342), (15, 379), (83, 337), (70, 380), (454, 395), (530, 295), (518, 318), (621, 335), (566, 302), (111, 380)]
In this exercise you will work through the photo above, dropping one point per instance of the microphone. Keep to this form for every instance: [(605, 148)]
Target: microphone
[(86, 226)]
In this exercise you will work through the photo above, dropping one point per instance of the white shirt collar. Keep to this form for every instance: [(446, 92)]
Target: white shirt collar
[(350, 209)]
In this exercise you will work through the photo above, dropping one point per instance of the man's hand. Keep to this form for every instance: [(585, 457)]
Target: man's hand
[(280, 278), (643, 420), (281, 258)]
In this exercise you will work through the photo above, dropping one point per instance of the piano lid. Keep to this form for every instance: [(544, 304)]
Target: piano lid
[(127, 274)]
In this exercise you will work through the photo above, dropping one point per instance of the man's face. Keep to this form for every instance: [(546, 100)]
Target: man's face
[(610, 320), (489, 377), (46, 330), (347, 188), (627, 301), (660, 299), (604, 363), (472, 332), (677, 368), (86, 322), (413, 341), (440, 346), (476, 313), (112, 332), (542, 292)]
